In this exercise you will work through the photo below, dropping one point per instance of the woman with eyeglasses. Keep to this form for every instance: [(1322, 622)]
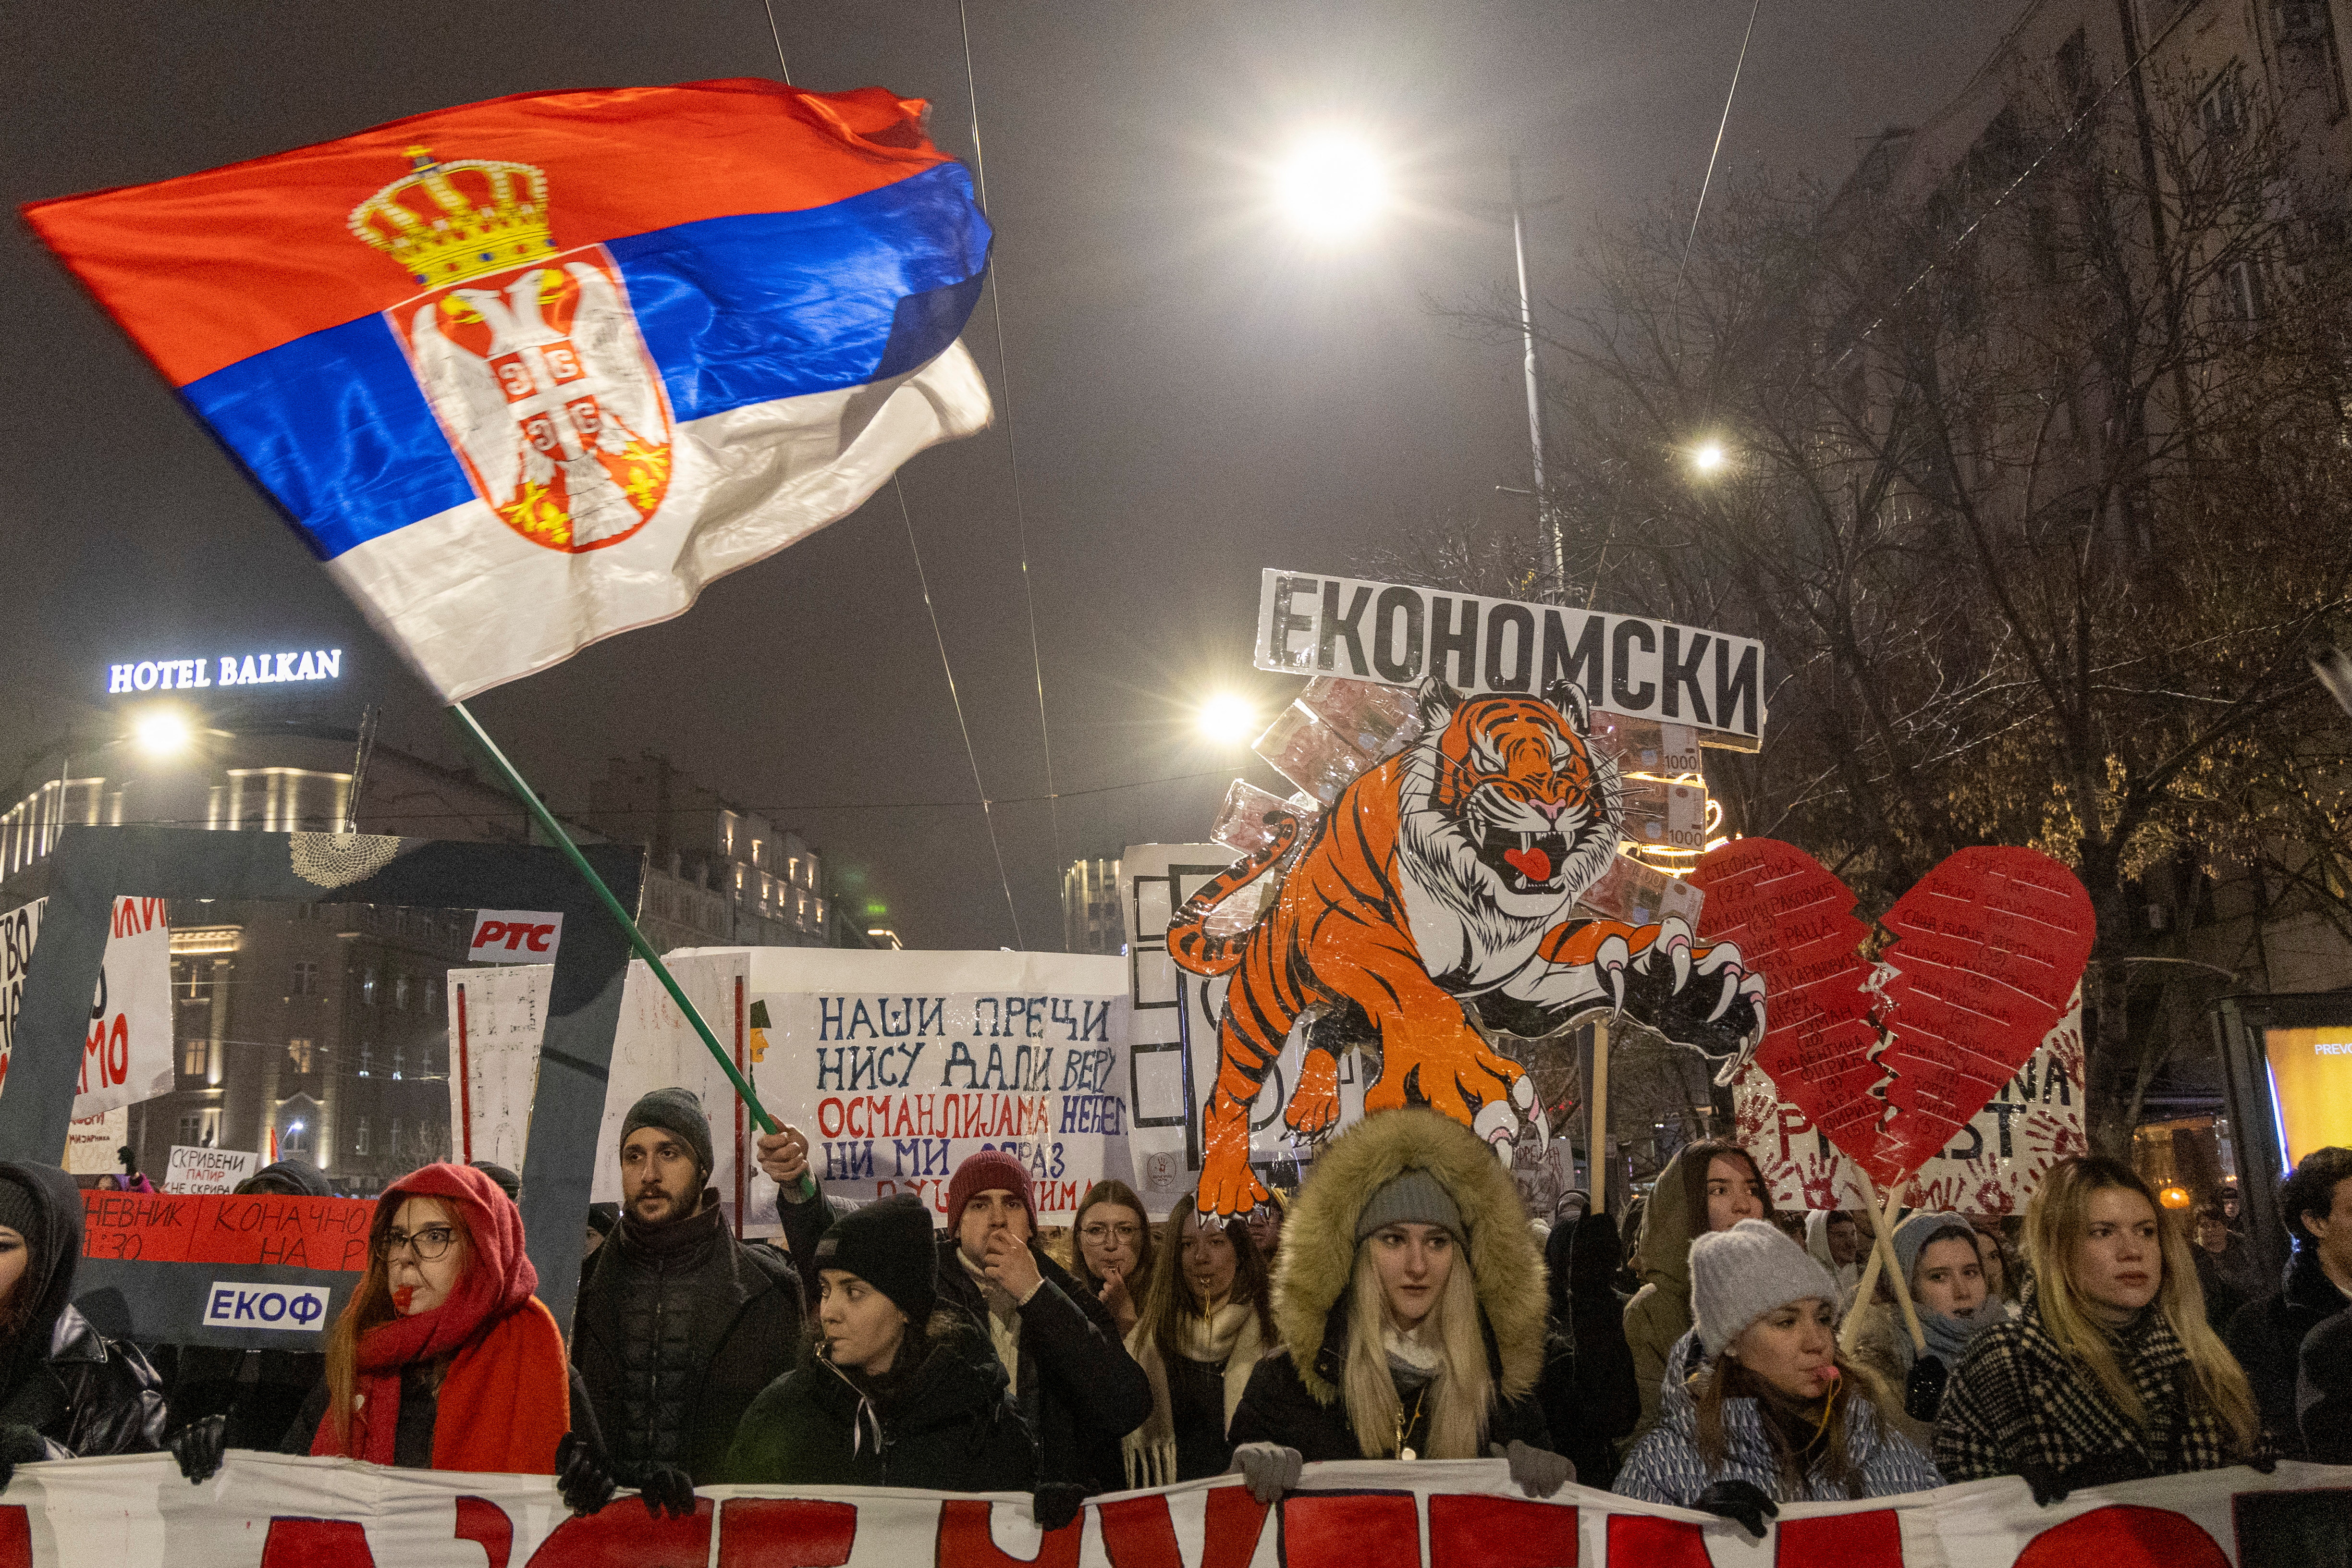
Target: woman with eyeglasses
[(443, 1360), (1113, 1249)]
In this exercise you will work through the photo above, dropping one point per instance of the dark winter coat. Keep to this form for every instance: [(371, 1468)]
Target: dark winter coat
[(2267, 1339), (2017, 1405), (259, 1391), (1590, 1396), (680, 1328), (2324, 1395), (1294, 1398), (1079, 1392), (947, 1427), (70, 1391)]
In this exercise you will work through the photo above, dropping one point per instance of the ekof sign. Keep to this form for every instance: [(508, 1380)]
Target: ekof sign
[(515, 936), (300, 1309), (249, 669), (1312, 624)]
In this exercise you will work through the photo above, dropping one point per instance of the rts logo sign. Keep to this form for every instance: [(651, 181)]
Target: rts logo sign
[(516, 936)]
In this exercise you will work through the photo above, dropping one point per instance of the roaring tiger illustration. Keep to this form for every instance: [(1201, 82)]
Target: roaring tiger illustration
[(1441, 883)]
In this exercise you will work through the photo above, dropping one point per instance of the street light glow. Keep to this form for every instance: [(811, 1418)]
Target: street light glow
[(1709, 458), (1227, 719), (162, 733), (1331, 185)]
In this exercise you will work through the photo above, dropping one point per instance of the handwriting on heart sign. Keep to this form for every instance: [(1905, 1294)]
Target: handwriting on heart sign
[(1988, 948)]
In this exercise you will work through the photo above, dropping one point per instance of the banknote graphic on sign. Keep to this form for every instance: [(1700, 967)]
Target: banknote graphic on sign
[(530, 358)]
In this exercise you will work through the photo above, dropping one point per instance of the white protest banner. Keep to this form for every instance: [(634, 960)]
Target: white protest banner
[(128, 1055), (194, 1170), (1316, 624), (2034, 1120), (497, 1018), (515, 936), (286, 1512), (899, 1066), (1172, 1039)]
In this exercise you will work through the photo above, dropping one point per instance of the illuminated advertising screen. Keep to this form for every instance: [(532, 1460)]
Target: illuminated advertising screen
[(2311, 1087)]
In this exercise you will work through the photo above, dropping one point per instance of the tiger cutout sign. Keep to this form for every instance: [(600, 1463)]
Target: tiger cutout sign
[(1431, 909)]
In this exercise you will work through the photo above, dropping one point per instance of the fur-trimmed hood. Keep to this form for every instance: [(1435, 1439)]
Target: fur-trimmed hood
[(1318, 1244)]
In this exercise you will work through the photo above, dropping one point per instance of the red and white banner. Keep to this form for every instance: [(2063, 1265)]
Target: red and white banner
[(128, 1055), (263, 1511)]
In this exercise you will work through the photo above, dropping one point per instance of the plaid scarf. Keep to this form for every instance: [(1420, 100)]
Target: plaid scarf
[(2018, 1401)]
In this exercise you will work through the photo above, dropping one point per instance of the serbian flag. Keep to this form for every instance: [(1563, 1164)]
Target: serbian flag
[(528, 373)]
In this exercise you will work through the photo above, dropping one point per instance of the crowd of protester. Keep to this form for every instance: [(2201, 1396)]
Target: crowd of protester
[(1400, 1306)]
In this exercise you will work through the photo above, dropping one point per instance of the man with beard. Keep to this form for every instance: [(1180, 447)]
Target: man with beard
[(679, 1325)]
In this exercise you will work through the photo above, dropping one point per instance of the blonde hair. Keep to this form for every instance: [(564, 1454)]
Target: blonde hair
[(2055, 1222), (1463, 1387)]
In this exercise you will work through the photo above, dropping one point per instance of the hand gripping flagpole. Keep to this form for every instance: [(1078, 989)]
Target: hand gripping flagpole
[(643, 948)]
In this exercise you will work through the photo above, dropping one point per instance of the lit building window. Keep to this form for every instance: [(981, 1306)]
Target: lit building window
[(360, 1138), (296, 1051)]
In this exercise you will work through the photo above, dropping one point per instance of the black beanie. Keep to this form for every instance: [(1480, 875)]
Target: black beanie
[(674, 1110), (889, 1245), (21, 1210)]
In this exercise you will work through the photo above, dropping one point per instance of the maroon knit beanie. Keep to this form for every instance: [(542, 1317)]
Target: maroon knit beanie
[(991, 1170)]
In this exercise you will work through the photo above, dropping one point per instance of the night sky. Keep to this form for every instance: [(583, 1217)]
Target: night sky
[(1194, 392)]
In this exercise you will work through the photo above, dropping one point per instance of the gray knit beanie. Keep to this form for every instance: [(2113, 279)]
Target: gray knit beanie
[(1412, 1196), (1912, 1236), (677, 1111), (1740, 1274)]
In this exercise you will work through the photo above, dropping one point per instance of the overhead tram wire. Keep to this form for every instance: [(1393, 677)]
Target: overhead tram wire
[(987, 807), (1012, 443), (1715, 154)]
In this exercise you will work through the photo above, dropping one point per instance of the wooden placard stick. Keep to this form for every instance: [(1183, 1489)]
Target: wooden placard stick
[(1882, 1255), (1598, 1127)]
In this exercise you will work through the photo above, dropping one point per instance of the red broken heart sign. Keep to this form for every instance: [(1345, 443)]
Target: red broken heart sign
[(1988, 948)]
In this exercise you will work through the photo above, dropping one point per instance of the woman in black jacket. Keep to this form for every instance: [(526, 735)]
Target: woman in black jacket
[(1410, 1303), (889, 1392), (69, 1391)]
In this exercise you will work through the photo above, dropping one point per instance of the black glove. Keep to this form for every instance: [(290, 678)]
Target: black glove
[(1057, 1503), (580, 1475), (1594, 1256), (199, 1447), (2263, 1460), (19, 1446), (1742, 1502), (1923, 1391), (2050, 1486), (667, 1489)]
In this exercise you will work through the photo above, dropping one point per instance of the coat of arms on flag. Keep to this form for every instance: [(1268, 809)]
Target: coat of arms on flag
[(626, 341), (536, 371)]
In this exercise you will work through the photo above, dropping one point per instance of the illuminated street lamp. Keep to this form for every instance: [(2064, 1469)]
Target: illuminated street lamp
[(1708, 459), (1331, 185), (162, 733), (1226, 720)]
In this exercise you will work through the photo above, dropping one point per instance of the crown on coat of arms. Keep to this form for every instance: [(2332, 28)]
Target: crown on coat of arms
[(447, 222)]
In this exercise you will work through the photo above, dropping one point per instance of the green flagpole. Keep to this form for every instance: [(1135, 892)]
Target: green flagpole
[(643, 948)]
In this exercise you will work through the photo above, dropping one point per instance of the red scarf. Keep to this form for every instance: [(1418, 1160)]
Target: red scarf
[(505, 1400)]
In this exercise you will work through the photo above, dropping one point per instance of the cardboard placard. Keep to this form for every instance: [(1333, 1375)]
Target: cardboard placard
[(155, 1267), (194, 1170)]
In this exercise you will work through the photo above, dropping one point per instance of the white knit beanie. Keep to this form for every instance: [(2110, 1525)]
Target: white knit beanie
[(1740, 1274)]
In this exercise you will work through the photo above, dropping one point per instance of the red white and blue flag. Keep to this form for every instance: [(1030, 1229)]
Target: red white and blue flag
[(528, 373)]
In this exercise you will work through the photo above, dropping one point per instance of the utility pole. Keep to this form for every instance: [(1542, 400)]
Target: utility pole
[(1548, 534)]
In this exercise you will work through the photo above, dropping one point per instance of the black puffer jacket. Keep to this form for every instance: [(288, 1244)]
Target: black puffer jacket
[(1079, 1392), (679, 1329), (2266, 1336), (70, 1391), (944, 1425)]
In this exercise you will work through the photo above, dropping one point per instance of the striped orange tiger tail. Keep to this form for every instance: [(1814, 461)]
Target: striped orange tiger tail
[(1189, 941)]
